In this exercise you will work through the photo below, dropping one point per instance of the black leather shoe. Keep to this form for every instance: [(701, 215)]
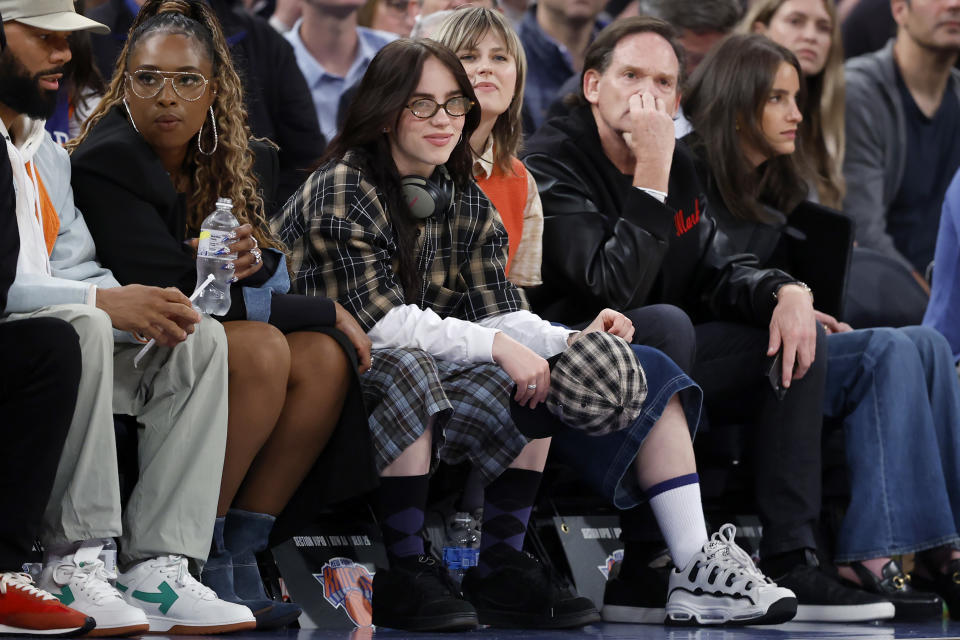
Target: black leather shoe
[(521, 593), (638, 599), (417, 594), (910, 603), (946, 585)]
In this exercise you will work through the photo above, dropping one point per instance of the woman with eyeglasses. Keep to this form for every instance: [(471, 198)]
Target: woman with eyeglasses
[(169, 138), (393, 226)]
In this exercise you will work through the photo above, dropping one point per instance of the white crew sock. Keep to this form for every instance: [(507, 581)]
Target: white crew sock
[(679, 512)]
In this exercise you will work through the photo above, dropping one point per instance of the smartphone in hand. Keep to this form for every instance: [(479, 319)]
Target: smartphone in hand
[(775, 376)]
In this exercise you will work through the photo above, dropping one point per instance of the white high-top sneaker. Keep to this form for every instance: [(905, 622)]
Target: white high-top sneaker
[(722, 585), (81, 582), (176, 603)]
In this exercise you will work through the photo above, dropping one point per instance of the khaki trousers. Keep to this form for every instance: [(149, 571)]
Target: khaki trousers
[(179, 397)]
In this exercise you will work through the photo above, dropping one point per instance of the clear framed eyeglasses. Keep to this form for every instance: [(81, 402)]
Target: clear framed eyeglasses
[(427, 107), (148, 83)]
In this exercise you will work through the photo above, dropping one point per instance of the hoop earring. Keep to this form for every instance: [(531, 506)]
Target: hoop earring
[(216, 139), (130, 115)]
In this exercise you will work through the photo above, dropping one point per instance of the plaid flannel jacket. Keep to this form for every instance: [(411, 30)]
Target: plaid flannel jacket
[(342, 246)]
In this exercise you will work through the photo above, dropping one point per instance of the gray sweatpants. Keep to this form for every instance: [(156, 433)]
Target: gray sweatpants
[(179, 396)]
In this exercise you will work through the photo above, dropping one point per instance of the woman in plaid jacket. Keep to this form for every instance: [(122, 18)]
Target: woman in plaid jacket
[(393, 227)]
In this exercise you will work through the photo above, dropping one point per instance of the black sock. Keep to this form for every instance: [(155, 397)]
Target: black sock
[(506, 511), (637, 556), (781, 563), (401, 504)]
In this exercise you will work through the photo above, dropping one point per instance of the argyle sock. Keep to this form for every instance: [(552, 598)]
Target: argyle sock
[(508, 501), (401, 503), (679, 512)]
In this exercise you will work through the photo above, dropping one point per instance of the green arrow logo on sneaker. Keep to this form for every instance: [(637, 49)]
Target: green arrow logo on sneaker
[(165, 597), (65, 596)]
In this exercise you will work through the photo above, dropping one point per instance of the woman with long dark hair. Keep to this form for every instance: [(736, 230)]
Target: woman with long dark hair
[(811, 30), (393, 225), (170, 138), (895, 389)]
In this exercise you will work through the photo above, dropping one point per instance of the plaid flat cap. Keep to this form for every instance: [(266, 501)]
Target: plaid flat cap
[(597, 385)]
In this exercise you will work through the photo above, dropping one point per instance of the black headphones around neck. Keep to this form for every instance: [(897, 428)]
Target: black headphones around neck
[(426, 197)]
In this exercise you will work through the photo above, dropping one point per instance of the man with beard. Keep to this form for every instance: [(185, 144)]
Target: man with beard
[(38, 387), (902, 123), (178, 392)]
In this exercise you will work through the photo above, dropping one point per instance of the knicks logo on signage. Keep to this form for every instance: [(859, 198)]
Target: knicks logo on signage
[(349, 585), (612, 559)]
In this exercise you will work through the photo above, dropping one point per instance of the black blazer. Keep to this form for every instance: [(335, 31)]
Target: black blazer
[(139, 222), (9, 231)]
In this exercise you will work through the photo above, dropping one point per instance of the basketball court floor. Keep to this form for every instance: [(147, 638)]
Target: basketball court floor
[(914, 631)]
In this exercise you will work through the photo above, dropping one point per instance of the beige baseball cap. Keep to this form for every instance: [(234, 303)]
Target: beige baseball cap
[(53, 15)]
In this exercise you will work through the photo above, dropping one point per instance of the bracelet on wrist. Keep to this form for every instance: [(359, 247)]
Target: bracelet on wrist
[(796, 283)]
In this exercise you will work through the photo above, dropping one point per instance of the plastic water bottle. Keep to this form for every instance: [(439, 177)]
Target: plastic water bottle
[(461, 551), (109, 555), (458, 560), (213, 255)]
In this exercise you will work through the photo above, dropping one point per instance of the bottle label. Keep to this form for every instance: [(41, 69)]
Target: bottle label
[(214, 244)]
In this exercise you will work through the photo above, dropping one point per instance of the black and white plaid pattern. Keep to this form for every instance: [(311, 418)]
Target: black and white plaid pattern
[(471, 402), (597, 385), (342, 246)]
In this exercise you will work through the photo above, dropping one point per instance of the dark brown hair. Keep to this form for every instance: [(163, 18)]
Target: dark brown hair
[(599, 54), (725, 103), (378, 104), (824, 142), (84, 77)]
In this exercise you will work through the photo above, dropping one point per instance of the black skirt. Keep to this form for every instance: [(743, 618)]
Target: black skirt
[(345, 469)]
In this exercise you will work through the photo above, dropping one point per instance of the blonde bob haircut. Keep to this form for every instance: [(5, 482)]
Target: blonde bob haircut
[(462, 30), (822, 141)]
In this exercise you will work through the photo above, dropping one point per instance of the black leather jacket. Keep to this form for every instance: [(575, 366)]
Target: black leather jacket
[(608, 244), (813, 244)]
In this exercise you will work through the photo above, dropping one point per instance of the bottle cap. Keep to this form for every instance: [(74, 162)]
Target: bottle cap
[(225, 202)]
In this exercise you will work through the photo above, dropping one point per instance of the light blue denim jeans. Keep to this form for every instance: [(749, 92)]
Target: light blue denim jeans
[(898, 395)]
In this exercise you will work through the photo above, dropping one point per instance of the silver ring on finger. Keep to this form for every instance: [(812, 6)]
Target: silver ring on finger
[(532, 387), (257, 256)]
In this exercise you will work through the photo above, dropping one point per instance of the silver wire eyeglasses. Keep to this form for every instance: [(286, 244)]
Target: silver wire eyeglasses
[(427, 107), (148, 83)]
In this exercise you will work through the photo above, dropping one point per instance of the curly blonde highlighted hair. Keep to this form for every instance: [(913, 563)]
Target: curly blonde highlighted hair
[(227, 173)]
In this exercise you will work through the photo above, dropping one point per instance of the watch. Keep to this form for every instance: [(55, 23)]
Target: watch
[(802, 285)]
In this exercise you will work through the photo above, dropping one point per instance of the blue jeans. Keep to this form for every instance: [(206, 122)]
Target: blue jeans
[(606, 462), (897, 393)]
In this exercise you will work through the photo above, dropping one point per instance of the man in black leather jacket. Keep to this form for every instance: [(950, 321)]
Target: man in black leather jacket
[(625, 225)]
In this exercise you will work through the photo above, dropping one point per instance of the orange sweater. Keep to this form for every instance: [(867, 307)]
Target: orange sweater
[(508, 193)]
